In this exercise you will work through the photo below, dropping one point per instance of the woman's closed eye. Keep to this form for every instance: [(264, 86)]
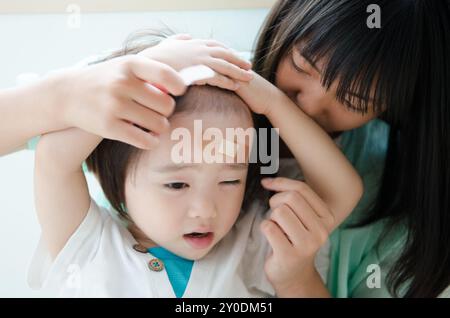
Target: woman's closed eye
[(297, 67), (354, 103), (176, 186)]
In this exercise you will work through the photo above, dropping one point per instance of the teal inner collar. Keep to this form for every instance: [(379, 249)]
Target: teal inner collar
[(163, 254)]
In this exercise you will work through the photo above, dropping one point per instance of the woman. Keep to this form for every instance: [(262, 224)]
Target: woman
[(386, 94)]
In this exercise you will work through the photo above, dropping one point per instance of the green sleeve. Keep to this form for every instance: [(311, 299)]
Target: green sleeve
[(354, 250), (359, 265), (32, 143)]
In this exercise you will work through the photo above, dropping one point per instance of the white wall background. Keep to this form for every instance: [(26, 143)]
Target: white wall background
[(39, 43)]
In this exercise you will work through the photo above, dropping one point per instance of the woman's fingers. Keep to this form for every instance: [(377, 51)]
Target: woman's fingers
[(316, 203), (220, 50), (276, 238), (290, 224), (307, 206), (231, 57), (230, 70), (146, 104), (301, 209), (298, 221), (151, 97), (145, 118), (158, 74), (221, 81), (128, 133)]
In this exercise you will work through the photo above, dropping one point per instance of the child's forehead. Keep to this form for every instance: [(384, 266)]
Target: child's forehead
[(196, 135), (219, 151), (197, 167), (158, 166), (206, 126)]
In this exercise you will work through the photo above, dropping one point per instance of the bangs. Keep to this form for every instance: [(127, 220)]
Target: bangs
[(370, 66)]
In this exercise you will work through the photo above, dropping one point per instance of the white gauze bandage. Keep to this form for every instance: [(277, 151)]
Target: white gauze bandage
[(196, 73)]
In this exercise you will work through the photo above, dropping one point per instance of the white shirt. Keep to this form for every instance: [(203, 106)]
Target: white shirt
[(99, 261)]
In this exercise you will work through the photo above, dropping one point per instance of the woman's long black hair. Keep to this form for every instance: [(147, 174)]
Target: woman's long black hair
[(405, 66)]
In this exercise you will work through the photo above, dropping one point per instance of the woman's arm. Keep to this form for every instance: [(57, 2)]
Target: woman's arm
[(326, 169), (105, 99), (29, 111), (303, 214), (92, 97)]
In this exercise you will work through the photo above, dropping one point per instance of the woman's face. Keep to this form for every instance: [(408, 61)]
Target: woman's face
[(301, 81)]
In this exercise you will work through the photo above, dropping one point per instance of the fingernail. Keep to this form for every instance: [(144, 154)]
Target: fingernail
[(161, 88), (267, 180)]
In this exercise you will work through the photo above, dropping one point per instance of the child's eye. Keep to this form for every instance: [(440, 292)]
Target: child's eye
[(231, 182), (176, 185)]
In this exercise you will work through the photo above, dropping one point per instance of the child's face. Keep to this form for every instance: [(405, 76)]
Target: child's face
[(171, 202)]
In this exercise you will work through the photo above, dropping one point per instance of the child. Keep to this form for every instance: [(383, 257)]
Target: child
[(186, 235)]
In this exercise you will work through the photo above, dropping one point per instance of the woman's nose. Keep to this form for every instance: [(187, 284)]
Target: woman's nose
[(312, 109)]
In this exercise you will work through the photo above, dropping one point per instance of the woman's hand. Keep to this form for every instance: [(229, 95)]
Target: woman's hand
[(298, 227), (259, 94), (182, 51), (112, 98)]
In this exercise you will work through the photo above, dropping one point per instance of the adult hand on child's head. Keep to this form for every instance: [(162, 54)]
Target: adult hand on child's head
[(259, 94), (112, 98), (298, 227), (181, 51)]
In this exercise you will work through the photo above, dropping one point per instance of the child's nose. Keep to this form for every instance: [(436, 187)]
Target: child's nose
[(202, 208)]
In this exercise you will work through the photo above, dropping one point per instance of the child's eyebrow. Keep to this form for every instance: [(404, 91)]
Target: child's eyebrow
[(178, 167)]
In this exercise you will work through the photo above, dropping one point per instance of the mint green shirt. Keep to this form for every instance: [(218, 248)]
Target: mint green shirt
[(357, 267)]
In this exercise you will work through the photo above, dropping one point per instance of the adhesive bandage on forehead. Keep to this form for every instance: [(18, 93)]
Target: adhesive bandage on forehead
[(196, 73)]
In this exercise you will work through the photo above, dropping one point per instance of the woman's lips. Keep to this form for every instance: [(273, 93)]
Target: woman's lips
[(199, 241)]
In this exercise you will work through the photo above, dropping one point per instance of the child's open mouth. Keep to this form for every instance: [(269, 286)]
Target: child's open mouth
[(199, 240)]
